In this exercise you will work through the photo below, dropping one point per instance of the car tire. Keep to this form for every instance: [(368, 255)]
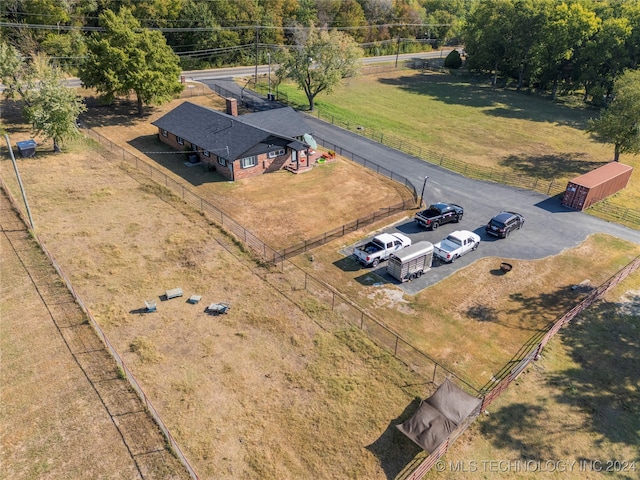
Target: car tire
[(506, 233), (475, 247), (458, 218), (419, 273), (375, 263), (454, 258), (434, 226)]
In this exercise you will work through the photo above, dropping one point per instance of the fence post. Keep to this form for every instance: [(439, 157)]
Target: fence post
[(395, 350)]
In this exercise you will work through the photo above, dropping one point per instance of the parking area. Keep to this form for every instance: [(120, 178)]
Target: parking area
[(519, 245)]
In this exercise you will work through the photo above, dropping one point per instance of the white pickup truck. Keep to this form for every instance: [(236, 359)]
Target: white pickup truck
[(455, 245), (380, 247)]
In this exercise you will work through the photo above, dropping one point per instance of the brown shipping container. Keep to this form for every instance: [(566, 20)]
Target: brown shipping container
[(587, 189)]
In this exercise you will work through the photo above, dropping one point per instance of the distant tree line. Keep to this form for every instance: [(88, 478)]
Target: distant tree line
[(555, 45), (225, 32)]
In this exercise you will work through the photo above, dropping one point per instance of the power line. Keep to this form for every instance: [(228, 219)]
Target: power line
[(84, 28)]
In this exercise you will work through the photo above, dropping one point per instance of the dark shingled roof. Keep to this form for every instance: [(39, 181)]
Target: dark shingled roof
[(228, 136), (282, 121)]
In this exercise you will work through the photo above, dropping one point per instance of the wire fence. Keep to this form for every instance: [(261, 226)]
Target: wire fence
[(550, 188), (250, 239), (173, 445)]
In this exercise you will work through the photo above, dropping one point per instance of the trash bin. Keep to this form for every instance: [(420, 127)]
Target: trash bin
[(27, 148)]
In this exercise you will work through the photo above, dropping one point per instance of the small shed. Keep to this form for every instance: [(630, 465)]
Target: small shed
[(587, 189), (27, 148)]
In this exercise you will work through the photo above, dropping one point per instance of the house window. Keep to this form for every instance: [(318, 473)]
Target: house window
[(247, 162), (222, 161), (205, 153), (165, 133), (180, 140), (276, 153)]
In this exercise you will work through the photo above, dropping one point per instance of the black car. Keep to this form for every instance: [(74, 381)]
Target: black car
[(504, 223)]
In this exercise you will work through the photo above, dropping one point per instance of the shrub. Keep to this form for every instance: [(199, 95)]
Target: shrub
[(453, 60)]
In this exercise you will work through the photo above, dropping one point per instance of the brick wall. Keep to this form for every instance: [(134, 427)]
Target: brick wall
[(264, 165)]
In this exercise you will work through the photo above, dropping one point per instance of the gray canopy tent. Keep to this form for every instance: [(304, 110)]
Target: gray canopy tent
[(439, 415)]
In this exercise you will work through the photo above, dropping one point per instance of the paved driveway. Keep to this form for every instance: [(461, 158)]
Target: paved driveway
[(549, 228)]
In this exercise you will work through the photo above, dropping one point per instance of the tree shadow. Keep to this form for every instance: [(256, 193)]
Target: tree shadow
[(509, 427), (498, 102), (482, 313), (549, 167), (121, 112), (547, 304), (393, 449), (605, 343)]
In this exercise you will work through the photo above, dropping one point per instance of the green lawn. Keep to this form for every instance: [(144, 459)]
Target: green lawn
[(453, 117)]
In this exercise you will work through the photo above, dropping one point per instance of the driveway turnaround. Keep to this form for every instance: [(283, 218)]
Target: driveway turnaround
[(549, 227)]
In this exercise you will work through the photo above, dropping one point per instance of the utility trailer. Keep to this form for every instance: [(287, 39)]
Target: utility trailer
[(411, 262)]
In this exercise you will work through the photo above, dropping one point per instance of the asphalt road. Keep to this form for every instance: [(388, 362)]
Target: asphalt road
[(549, 227)]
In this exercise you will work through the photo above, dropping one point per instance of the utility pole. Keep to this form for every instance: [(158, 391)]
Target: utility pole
[(397, 51), (269, 57), (256, 55)]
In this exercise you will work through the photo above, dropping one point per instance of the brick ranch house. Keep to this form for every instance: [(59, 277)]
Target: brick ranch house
[(235, 146)]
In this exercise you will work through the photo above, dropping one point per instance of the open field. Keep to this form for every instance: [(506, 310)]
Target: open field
[(64, 411), (454, 117), (232, 388), (494, 316), (265, 392)]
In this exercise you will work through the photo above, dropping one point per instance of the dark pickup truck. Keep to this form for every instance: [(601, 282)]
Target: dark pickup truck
[(438, 214)]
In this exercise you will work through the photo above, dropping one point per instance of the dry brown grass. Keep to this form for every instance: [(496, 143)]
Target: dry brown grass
[(577, 404), (282, 209), (494, 316), (262, 392), (63, 410)]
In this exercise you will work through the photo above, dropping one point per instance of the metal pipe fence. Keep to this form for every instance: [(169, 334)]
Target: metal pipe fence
[(551, 187)]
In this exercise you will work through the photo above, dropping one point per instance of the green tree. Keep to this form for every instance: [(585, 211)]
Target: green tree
[(49, 105), (320, 61), (568, 27), (603, 58), (128, 58), (487, 33), (619, 121)]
